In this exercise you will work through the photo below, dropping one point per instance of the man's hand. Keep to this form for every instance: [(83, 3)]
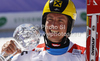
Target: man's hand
[(9, 47)]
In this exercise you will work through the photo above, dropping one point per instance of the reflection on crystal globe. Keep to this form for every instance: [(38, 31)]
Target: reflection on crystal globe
[(27, 36)]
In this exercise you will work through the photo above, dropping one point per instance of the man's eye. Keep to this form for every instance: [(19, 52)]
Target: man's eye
[(49, 19), (60, 20)]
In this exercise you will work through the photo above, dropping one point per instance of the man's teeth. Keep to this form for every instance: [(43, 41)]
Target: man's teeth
[(54, 31)]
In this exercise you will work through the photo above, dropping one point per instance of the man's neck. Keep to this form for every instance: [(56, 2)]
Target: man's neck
[(64, 43)]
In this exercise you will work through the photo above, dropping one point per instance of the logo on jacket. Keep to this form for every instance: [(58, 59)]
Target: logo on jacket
[(76, 51), (56, 45)]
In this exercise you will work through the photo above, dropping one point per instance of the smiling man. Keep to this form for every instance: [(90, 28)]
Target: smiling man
[(53, 25), (58, 19)]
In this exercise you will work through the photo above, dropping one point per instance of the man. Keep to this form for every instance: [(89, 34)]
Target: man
[(57, 20)]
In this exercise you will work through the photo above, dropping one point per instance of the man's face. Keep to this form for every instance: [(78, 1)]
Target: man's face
[(56, 26)]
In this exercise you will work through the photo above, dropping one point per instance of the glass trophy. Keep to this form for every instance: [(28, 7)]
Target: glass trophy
[(26, 37)]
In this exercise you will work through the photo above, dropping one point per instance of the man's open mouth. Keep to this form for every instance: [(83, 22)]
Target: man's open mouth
[(54, 31)]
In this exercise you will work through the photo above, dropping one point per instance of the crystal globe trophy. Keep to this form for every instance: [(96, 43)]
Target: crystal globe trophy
[(26, 37)]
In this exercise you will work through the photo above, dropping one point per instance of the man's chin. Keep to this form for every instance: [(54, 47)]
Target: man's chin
[(56, 40)]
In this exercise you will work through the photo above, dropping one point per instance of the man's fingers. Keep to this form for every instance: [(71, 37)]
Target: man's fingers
[(13, 43), (9, 48)]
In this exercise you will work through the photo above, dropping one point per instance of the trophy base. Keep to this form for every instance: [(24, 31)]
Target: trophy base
[(2, 58)]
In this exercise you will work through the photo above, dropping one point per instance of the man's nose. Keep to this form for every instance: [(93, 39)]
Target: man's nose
[(55, 23)]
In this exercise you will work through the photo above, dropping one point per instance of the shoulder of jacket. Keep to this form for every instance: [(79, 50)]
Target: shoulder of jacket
[(77, 49), (41, 45), (39, 48)]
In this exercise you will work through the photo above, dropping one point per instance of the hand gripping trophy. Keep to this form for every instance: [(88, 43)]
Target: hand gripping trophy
[(26, 38)]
